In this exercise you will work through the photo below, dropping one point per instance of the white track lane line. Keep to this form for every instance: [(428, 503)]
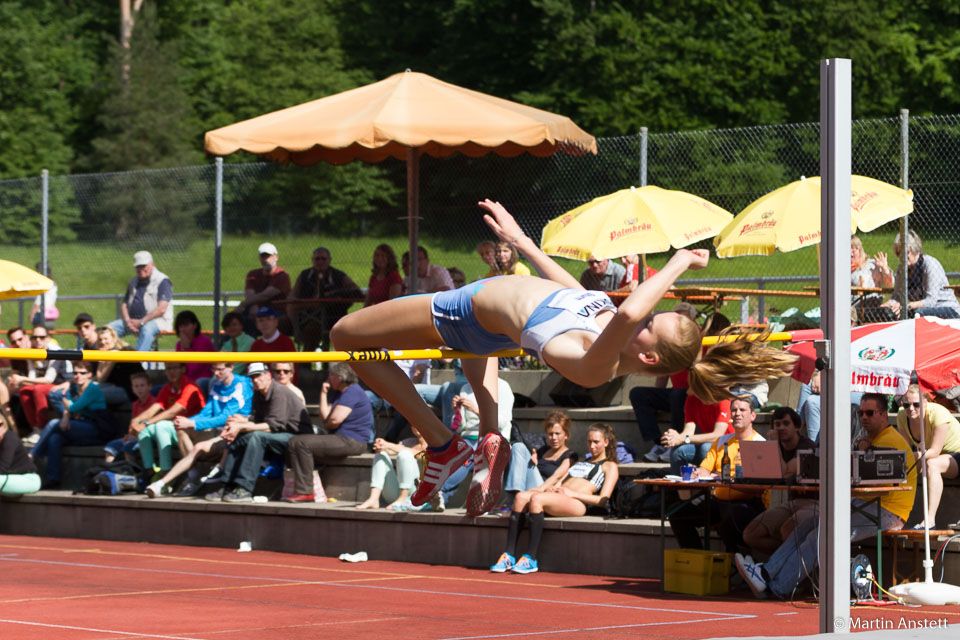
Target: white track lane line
[(724, 616), (92, 630), (607, 628)]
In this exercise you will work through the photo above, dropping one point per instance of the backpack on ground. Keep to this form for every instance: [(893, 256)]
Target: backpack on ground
[(632, 500), (114, 478)]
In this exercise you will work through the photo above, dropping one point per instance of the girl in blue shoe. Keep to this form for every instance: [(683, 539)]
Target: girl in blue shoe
[(579, 333), (588, 484)]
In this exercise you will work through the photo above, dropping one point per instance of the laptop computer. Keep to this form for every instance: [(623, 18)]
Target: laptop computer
[(760, 462)]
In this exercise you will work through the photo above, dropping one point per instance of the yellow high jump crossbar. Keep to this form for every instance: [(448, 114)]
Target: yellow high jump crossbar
[(366, 355)]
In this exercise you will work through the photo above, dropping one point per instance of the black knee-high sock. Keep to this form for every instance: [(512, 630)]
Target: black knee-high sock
[(535, 523), (513, 532)]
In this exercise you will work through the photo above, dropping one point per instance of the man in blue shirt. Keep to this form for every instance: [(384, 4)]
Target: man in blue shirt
[(230, 394)]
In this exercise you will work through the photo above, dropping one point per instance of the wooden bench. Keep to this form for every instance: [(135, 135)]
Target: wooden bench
[(899, 538)]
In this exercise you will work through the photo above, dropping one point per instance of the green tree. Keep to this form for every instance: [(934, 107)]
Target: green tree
[(146, 123), (46, 65), (146, 118)]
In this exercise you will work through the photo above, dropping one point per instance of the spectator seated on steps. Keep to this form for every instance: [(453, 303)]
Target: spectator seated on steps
[(114, 378), (235, 340), (199, 434), (268, 285), (86, 421), (129, 444), (42, 377), (155, 426), (532, 469), (147, 307), (918, 417), (278, 415), (348, 423), (587, 485), (191, 338), (393, 482)]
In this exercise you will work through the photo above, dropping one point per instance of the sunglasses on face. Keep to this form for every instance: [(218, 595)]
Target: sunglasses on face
[(866, 413), (593, 262), (287, 371), (910, 405)]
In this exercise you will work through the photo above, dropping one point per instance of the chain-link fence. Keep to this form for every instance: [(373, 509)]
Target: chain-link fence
[(96, 222)]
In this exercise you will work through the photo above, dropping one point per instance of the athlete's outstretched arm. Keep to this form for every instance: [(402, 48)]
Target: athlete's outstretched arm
[(603, 356), (506, 228)]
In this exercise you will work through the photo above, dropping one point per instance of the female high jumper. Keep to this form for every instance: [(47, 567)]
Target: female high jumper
[(578, 333)]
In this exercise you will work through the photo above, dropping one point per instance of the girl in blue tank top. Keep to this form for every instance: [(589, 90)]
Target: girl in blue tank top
[(578, 333)]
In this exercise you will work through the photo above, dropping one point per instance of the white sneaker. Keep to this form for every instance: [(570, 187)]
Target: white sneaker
[(665, 456), (654, 454), (437, 502), (155, 490), (750, 571), (31, 439)]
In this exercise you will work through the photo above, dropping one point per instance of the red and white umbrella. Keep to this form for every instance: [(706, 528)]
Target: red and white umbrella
[(883, 355)]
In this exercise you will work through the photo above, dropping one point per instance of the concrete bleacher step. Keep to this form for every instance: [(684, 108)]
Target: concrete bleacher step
[(573, 545)]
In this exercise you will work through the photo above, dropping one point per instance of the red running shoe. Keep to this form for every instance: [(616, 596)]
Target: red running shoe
[(489, 464), (301, 497), (440, 464)]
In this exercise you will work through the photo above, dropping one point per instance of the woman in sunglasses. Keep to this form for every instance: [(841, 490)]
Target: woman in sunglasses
[(941, 433), (577, 332)]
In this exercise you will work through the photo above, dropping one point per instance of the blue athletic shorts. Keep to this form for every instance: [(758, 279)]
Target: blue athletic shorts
[(453, 317)]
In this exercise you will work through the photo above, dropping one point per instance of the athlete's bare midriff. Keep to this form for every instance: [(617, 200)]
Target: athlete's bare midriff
[(579, 485), (504, 304)]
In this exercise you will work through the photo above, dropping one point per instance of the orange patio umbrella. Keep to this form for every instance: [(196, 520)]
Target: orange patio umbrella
[(402, 117)]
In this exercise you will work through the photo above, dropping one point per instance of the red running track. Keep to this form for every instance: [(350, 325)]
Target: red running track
[(93, 590)]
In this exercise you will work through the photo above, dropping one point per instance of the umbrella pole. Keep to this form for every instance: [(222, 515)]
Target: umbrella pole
[(926, 592), (413, 215), (643, 267)]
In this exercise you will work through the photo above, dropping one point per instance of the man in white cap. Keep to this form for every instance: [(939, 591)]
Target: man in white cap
[(147, 307), (267, 285)]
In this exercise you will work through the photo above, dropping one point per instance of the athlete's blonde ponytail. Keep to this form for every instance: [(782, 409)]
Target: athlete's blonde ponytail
[(738, 362)]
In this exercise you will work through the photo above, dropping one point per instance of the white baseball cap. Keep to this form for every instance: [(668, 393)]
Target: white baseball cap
[(267, 247), (142, 258), (256, 368)]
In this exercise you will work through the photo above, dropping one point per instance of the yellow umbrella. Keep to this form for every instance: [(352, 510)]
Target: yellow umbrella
[(635, 220), (403, 117), (788, 218), (17, 281)]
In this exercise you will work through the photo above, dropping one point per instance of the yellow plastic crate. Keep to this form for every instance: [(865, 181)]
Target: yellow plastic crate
[(696, 572)]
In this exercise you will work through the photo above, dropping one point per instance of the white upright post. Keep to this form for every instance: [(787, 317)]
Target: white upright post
[(835, 113)]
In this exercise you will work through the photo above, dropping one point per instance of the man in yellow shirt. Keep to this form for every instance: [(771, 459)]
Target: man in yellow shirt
[(733, 509), (798, 555)]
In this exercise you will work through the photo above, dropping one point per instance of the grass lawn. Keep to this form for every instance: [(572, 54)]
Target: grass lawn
[(104, 268)]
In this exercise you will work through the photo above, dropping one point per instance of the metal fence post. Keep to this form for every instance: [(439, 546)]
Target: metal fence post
[(44, 226), (217, 248), (643, 156), (905, 220)]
